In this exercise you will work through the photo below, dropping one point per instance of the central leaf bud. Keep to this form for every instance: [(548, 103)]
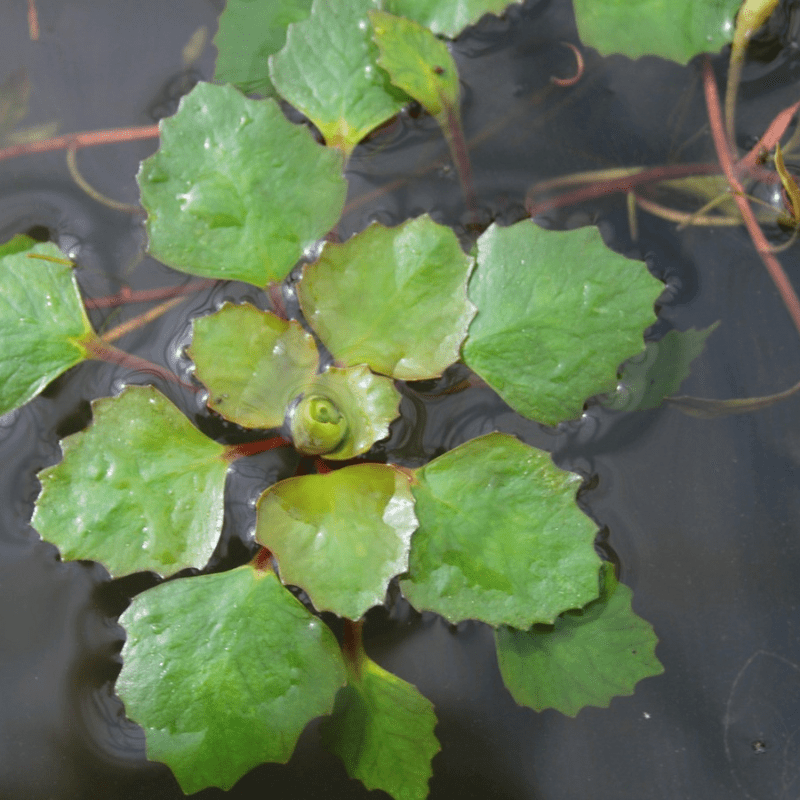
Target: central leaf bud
[(317, 426)]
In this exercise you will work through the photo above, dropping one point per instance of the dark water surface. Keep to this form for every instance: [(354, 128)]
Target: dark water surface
[(702, 515)]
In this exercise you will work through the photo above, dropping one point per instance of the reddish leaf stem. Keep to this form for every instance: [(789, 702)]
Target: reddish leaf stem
[(126, 295), (263, 560), (234, 451), (96, 348), (725, 157), (84, 139)]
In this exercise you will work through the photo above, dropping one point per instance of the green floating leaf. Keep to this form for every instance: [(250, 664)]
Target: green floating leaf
[(446, 17), (140, 489), (382, 729), (678, 30), (500, 537), (236, 191), (392, 298), (249, 33), (553, 324), (338, 88), (343, 412), (43, 324), (252, 362), (418, 62), (586, 659), (342, 536), (659, 371), (223, 672)]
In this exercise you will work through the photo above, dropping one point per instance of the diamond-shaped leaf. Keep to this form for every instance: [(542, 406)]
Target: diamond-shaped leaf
[(42, 320), (249, 33), (553, 324), (140, 489), (500, 538), (340, 89), (587, 658), (223, 672), (382, 729), (392, 298), (235, 190), (342, 536), (252, 362)]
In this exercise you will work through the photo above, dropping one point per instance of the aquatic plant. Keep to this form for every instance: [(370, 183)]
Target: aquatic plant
[(224, 669)]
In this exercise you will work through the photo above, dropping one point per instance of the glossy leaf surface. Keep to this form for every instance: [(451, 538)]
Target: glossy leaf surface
[(339, 88), (252, 362), (235, 190), (446, 17), (677, 30), (392, 298), (587, 658), (42, 320), (249, 33), (342, 536), (382, 729), (500, 538), (553, 325), (223, 672), (417, 62), (140, 489), (357, 407)]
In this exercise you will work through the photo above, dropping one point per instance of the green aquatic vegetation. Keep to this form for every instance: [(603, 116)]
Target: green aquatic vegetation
[(224, 670)]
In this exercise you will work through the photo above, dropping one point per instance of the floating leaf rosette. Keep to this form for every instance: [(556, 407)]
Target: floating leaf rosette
[(342, 412), (392, 298), (261, 370)]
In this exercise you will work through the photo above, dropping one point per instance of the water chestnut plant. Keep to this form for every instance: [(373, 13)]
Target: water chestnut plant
[(224, 669)]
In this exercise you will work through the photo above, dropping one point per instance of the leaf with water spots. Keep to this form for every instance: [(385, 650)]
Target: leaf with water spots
[(340, 89), (235, 190), (678, 30), (139, 489), (341, 537), (392, 298), (553, 323), (43, 325), (446, 17), (223, 672), (500, 537)]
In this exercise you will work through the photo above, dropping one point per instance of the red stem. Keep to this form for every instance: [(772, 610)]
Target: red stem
[(147, 295), (234, 451), (85, 139), (725, 157)]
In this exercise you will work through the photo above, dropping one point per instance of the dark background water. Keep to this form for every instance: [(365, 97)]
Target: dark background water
[(701, 515)]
